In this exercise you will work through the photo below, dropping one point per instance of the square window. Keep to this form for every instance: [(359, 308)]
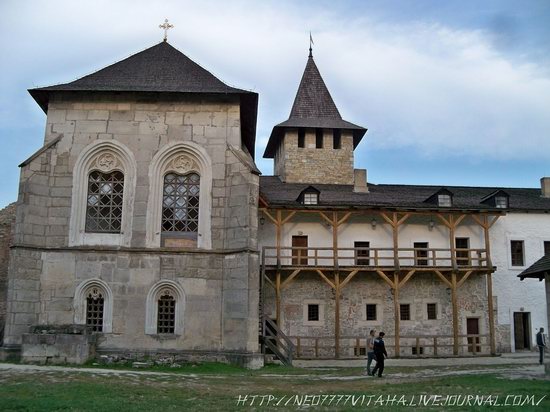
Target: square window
[(432, 311), (419, 351), (501, 202), (371, 311), (517, 252), (405, 311), (313, 312), (444, 200), (311, 198)]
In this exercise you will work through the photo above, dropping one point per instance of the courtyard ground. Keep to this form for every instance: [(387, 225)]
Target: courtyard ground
[(508, 383)]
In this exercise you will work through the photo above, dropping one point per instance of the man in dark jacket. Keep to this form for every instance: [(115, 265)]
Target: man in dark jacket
[(541, 343), (379, 353)]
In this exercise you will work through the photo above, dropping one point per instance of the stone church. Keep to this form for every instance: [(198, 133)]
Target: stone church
[(143, 228)]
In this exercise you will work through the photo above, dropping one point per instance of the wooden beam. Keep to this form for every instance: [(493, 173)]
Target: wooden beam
[(397, 311), (278, 229), (443, 278), (325, 278), (290, 278), (290, 215), (335, 239), (329, 220), (387, 219), (265, 212), (403, 219), (491, 313), (348, 278), (455, 313), (407, 277), (386, 278), (445, 222), (493, 221), (262, 202), (337, 314), (270, 281), (464, 278), (344, 218), (278, 298)]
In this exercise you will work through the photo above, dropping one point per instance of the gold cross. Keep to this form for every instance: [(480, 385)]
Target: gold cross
[(165, 26)]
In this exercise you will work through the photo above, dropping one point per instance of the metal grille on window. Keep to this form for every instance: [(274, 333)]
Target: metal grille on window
[(94, 310), (312, 312), (371, 312), (180, 203), (405, 311), (166, 314), (432, 311), (104, 204)]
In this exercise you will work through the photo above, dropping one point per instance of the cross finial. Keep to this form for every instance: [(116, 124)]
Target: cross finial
[(310, 44), (166, 26)]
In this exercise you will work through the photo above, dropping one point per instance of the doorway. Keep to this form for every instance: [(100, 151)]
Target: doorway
[(522, 330), (299, 256), (472, 328)]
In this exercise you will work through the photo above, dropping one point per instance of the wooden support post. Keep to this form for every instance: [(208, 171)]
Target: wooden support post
[(335, 239), (491, 313), (435, 345), (395, 228), (397, 311), (452, 241), (455, 313), (278, 299), (278, 227), (298, 347), (337, 314)]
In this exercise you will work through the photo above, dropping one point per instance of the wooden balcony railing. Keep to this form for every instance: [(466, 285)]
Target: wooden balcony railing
[(373, 257), (312, 347)]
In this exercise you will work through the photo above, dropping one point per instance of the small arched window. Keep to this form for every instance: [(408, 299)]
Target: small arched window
[(95, 302), (166, 312), (104, 202), (180, 204)]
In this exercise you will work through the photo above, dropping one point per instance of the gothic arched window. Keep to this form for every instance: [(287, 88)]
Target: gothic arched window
[(104, 202), (94, 309), (164, 309), (180, 203)]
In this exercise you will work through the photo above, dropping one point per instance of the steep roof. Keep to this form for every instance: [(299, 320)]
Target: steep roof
[(313, 108), (405, 197), (158, 69), (537, 269)]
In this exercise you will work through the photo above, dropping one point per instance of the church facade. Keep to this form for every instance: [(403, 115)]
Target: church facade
[(143, 226)]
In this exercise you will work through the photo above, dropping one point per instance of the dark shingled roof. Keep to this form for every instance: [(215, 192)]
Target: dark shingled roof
[(405, 197), (537, 269), (158, 69), (313, 108)]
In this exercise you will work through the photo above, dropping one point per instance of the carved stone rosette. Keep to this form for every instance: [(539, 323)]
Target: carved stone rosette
[(107, 161), (182, 164)]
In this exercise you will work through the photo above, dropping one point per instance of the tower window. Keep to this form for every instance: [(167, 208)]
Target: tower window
[(337, 139), (301, 138), (319, 138)]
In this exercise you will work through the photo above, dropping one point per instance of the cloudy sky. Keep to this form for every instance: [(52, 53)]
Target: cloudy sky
[(452, 92)]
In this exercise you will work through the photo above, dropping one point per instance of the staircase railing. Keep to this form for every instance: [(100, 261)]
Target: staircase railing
[(275, 340)]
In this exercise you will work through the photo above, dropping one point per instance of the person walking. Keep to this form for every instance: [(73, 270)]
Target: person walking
[(379, 353), (541, 343), (370, 349)]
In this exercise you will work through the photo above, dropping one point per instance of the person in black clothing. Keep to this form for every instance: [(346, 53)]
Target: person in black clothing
[(541, 343), (379, 354)]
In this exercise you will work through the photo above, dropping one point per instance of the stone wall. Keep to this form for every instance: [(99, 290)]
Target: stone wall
[(7, 221), (365, 288), (220, 283), (311, 165)]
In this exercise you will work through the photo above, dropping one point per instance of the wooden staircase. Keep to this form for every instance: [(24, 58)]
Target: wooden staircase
[(276, 341)]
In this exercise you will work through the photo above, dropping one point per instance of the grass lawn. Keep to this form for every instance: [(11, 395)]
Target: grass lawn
[(214, 387)]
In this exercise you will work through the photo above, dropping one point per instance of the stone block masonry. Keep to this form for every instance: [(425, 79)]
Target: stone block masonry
[(7, 222)]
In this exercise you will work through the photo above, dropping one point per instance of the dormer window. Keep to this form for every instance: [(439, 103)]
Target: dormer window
[(309, 196), (444, 200), (498, 199), (501, 202)]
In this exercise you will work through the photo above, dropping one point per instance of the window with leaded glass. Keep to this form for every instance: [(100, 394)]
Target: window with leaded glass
[(180, 203), (166, 317), (94, 309), (104, 202)]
